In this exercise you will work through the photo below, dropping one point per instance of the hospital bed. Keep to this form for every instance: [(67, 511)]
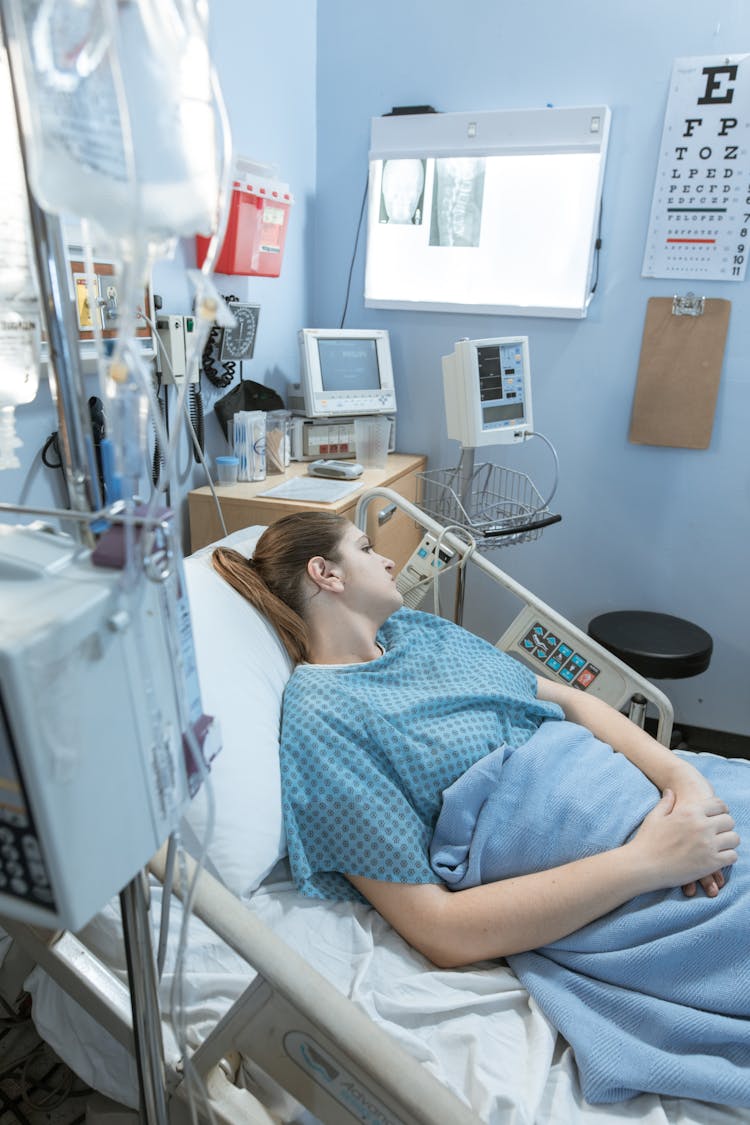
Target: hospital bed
[(292, 1003)]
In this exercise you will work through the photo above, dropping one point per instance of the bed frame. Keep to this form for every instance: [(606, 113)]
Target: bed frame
[(290, 1021)]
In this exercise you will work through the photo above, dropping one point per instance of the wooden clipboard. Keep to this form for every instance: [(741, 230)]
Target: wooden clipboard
[(678, 374)]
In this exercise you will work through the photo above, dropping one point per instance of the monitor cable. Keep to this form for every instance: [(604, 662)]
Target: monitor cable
[(354, 256), (597, 248), (544, 506)]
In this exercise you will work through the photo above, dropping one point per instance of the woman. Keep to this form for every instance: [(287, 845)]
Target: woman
[(387, 708)]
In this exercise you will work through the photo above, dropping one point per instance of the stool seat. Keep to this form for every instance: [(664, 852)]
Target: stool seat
[(656, 645)]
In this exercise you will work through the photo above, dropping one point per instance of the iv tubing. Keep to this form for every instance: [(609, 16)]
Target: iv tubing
[(199, 338)]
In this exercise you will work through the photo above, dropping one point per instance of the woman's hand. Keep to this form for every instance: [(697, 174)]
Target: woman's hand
[(665, 769), (688, 785), (687, 841)]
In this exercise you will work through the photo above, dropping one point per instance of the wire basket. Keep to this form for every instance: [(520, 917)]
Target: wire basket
[(497, 506)]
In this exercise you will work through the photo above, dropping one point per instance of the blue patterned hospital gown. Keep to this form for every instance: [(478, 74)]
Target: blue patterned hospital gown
[(367, 749)]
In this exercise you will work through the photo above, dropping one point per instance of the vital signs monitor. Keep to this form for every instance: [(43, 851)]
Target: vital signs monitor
[(487, 391), (346, 371)]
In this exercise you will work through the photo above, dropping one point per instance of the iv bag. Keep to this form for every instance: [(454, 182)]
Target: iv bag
[(118, 113), (19, 376), (19, 306), (16, 272)]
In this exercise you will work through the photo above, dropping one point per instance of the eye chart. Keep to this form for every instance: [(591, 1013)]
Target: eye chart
[(700, 214)]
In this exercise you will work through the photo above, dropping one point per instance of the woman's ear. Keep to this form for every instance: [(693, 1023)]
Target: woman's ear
[(324, 574)]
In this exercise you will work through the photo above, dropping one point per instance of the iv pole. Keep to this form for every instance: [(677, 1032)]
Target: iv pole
[(79, 463)]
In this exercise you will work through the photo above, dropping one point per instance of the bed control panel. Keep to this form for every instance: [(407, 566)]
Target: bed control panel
[(423, 568), (548, 648), (560, 654)]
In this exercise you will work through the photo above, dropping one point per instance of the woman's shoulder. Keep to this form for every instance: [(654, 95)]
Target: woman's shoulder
[(405, 622), (313, 684), (408, 623)]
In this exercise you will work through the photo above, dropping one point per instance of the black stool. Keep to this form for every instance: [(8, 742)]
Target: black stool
[(656, 645)]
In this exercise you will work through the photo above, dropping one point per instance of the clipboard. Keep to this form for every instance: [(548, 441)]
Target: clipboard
[(682, 352)]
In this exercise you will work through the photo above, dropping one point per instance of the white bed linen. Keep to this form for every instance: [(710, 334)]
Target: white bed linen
[(475, 1028)]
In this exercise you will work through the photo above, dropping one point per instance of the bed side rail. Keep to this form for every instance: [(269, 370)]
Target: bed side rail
[(308, 1037), (531, 634), (107, 1000), (80, 974)]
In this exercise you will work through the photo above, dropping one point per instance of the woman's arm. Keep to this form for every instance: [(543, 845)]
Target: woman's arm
[(672, 846)]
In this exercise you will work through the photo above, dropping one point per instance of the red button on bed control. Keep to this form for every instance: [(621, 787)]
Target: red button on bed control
[(587, 676)]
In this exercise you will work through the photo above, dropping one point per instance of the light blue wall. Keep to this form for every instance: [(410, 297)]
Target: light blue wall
[(660, 529)]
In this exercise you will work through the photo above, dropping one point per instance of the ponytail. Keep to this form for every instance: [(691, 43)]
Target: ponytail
[(273, 579), (240, 573)]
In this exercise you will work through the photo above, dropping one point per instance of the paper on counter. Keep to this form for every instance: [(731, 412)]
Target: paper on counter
[(322, 489)]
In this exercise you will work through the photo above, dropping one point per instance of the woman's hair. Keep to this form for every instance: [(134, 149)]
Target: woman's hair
[(273, 579)]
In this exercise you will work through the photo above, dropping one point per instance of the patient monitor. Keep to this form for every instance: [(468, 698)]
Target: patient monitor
[(487, 388), (346, 371)]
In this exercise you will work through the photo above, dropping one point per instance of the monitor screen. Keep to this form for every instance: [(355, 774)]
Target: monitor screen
[(348, 365), (346, 371), (487, 387)]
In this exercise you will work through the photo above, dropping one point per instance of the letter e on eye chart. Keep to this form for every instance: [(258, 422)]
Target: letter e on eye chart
[(700, 214)]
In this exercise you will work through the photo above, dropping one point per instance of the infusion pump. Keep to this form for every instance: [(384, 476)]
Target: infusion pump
[(94, 771), (487, 388)]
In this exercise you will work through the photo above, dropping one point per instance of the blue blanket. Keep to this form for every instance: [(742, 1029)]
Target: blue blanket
[(654, 996)]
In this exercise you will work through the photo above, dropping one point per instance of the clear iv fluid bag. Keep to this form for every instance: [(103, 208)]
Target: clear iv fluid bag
[(19, 376), (16, 272), (118, 113), (19, 306)]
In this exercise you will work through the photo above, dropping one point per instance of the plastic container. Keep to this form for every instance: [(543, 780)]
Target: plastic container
[(256, 229), (278, 440), (371, 436), (250, 444), (227, 469)]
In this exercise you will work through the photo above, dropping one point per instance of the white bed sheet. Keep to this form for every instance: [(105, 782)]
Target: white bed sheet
[(475, 1028)]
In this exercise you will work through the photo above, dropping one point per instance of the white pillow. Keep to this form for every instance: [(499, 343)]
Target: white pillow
[(243, 669)]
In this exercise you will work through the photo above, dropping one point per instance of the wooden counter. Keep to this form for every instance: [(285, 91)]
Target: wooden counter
[(242, 506)]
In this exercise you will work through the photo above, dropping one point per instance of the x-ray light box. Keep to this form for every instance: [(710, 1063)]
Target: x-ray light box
[(491, 212)]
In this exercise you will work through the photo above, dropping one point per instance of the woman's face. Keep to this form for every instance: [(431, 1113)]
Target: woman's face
[(369, 579)]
